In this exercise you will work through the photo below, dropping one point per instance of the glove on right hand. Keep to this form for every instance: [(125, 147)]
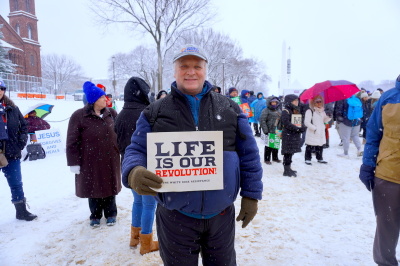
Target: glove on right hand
[(76, 169), (367, 175), (142, 180)]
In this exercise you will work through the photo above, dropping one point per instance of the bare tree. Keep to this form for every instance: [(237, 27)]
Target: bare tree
[(163, 20), (141, 62), (62, 70)]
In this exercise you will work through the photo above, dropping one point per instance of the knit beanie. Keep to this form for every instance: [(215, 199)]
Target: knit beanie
[(364, 94), (376, 95), (2, 84), (232, 89), (92, 92)]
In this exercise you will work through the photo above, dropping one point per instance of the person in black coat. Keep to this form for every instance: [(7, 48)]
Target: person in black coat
[(135, 100), (14, 135), (143, 207), (292, 127)]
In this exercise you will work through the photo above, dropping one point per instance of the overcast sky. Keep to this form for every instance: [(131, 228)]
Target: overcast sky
[(344, 39)]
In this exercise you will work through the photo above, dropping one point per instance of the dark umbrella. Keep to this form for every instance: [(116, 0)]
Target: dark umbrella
[(331, 90)]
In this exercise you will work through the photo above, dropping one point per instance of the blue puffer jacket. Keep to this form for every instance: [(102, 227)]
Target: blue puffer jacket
[(242, 167)]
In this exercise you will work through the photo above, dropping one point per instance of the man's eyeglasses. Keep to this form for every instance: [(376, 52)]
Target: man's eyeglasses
[(3, 88)]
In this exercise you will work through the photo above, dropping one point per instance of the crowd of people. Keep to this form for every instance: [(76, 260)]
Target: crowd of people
[(106, 150)]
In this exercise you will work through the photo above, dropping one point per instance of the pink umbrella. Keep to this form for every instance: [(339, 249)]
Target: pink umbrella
[(331, 90)]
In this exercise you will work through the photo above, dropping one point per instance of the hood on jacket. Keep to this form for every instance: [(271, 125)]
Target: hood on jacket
[(260, 93), (243, 93), (288, 101), (136, 90), (312, 101)]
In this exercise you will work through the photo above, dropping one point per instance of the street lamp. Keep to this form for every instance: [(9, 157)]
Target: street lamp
[(223, 75), (114, 81)]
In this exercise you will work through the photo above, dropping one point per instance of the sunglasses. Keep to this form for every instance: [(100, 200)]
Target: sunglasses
[(3, 88), (318, 101)]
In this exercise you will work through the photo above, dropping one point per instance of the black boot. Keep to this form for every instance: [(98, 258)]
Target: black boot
[(288, 172), (22, 213), (326, 145)]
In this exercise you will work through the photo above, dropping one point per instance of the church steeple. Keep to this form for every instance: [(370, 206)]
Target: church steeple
[(23, 19)]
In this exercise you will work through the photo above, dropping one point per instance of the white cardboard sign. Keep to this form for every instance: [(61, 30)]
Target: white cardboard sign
[(186, 161), (51, 140)]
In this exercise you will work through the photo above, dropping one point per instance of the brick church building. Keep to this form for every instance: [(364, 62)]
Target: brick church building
[(21, 36)]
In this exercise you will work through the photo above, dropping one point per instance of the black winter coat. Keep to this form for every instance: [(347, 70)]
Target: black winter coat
[(291, 134), (136, 100), (17, 130)]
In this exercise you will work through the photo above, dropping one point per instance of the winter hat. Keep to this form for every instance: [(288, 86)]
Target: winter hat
[(101, 86), (2, 84), (364, 94), (232, 89), (190, 49), (136, 90), (376, 95), (92, 92)]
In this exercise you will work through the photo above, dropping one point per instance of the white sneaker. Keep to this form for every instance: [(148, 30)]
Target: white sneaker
[(360, 153), (344, 155), (308, 162)]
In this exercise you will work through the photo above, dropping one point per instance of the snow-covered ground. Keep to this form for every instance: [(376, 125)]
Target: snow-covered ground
[(322, 217)]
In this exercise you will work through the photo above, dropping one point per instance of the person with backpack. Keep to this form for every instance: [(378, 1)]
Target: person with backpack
[(380, 173), (349, 113), (315, 120), (13, 138), (197, 222)]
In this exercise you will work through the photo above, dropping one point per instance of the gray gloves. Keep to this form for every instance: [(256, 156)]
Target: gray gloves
[(142, 180), (247, 211)]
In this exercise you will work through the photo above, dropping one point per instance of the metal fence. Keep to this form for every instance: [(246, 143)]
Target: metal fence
[(24, 83)]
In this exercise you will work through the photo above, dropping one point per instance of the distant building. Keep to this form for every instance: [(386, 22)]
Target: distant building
[(21, 36)]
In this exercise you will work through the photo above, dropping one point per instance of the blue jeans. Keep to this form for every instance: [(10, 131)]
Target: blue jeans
[(143, 209), (14, 178)]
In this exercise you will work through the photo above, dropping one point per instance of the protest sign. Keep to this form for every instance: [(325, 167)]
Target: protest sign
[(51, 140), (246, 109), (186, 161), (296, 120)]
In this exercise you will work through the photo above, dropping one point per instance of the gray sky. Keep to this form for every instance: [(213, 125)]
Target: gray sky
[(344, 39)]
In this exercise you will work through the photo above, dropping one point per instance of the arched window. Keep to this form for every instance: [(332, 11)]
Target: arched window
[(17, 29), (28, 6), (29, 32), (32, 60), (16, 6)]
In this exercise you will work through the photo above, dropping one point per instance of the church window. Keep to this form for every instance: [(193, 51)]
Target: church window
[(16, 7), (17, 29), (29, 31), (32, 60), (28, 6)]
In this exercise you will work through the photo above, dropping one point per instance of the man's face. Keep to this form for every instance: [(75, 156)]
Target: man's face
[(234, 94), (190, 74)]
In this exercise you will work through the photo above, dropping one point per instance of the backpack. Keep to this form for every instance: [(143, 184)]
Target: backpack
[(355, 110), (35, 151)]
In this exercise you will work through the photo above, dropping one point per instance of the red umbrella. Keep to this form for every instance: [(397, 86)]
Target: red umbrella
[(331, 90)]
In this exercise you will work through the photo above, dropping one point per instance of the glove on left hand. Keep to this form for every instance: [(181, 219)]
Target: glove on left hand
[(367, 175), (247, 211)]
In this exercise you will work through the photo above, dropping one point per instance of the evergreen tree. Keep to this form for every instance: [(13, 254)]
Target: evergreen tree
[(5, 64)]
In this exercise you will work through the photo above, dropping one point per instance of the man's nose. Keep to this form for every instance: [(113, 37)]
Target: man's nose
[(191, 70)]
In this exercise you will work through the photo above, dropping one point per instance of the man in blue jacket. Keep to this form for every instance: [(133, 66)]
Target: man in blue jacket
[(197, 221), (380, 172)]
